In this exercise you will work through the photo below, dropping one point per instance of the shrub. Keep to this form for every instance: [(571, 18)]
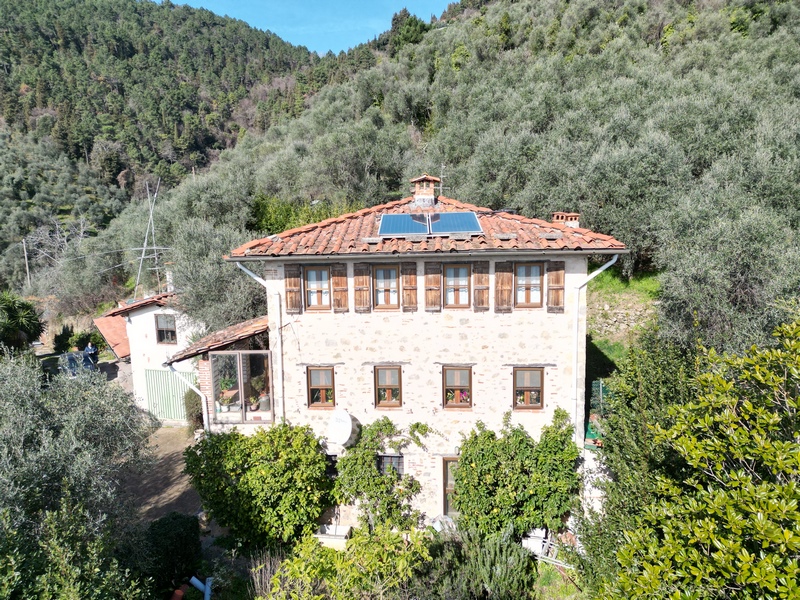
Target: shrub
[(175, 550), (269, 488), (61, 341), (194, 409), (81, 338), (513, 481)]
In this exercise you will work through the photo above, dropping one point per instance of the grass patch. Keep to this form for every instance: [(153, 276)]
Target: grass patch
[(552, 585), (645, 286), (613, 351)]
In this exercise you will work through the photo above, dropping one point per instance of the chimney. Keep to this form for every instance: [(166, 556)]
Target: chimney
[(424, 190), (568, 219)]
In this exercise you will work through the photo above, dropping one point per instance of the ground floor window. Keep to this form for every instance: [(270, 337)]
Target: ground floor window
[(320, 387), (242, 386), (450, 465), (390, 461)]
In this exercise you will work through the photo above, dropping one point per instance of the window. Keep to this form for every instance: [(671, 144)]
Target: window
[(331, 468), (318, 291), (528, 285), (388, 387), (390, 461), (456, 286), (165, 329), (450, 465), (320, 387), (457, 387), (386, 288), (241, 385), (527, 388)]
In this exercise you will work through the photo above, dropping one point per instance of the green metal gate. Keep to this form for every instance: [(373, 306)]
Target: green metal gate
[(165, 392)]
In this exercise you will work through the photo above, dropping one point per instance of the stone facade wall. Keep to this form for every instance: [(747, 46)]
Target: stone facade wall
[(422, 343)]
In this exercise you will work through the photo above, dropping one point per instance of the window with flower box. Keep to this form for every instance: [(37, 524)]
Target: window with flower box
[(528, 388), (457, 387)]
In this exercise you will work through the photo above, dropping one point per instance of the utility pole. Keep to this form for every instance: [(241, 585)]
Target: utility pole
[(27, 269)]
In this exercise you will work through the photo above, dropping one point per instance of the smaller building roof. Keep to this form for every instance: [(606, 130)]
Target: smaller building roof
[(223, 337), (115, 333), (158, 300)]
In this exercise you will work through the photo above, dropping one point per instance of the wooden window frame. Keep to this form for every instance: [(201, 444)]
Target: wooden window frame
[(311, 388), (319, 290), (398, 387), (528, 287), (445, 489), (445, 287), (449, 405), (527, 390), (162, 331), (376, 292)]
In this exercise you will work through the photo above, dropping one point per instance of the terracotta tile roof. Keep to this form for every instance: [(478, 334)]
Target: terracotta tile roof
[(115, 333), (223, 337), (357, 233), (158, 299)]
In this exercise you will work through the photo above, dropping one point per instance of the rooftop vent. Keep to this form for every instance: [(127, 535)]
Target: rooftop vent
[(568, 219)]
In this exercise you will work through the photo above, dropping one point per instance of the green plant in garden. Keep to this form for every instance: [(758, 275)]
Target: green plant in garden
[(727, 526), (511, 480), (19, 322), (375, 564), (269, 488), (382, 497)]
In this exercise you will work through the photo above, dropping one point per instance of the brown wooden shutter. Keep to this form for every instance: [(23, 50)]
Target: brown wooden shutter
[(362, 279), (480, 295), (294, 293), (409, 276), (433, 286), (339, 279), (555, 286), (503, 287)]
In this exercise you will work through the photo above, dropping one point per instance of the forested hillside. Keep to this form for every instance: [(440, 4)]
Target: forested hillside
[(99, 96)]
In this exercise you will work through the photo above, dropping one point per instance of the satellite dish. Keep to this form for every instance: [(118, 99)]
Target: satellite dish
[(340, 427)]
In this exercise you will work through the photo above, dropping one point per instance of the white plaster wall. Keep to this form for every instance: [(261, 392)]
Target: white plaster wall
[(422, 343), (146, 352)]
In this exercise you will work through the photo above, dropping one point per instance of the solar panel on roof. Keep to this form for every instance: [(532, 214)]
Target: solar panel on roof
[(456, 222), (400, 225), (429, 224)]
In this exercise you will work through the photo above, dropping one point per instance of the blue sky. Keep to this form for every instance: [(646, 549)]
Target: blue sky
[(321, 25)]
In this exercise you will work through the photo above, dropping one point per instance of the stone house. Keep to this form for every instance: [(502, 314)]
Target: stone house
[(423, 309)]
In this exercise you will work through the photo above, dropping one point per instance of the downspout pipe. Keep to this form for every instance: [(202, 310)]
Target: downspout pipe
[(576, 329), (280, 330), (203, 397)]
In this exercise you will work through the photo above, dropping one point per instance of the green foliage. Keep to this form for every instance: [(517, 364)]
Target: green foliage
[(79, 339), (728, 525), (511, 481), (470, 565), (68, 558), (194, 409), (654, 376), (61, 340), (75, 435), (269, 488), (381, 498), (19, 322), (174, 550), (375, 564)]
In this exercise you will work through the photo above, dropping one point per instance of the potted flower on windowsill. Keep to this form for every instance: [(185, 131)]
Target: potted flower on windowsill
[(260, 399)]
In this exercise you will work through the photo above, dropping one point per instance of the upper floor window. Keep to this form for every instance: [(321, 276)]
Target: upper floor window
[(528, 285), (456, 286), (528, 388), (318, 288), (457, 387), (387, 387), (386, 287), (165, 329), (320, 387)]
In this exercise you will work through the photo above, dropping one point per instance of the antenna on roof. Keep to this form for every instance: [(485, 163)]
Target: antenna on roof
[(441, 181), (151, 203)]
